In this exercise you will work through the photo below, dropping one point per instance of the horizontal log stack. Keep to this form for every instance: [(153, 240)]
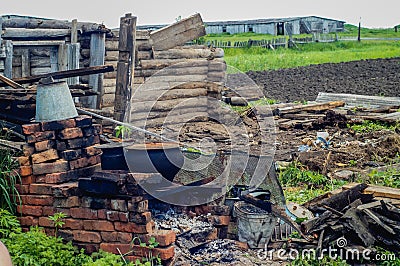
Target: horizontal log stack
[(59, 157)]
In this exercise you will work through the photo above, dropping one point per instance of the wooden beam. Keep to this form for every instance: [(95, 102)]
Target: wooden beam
[(38, 43), (10, 82), (74, 31), (126, 65), (65, 74), (23, 33)]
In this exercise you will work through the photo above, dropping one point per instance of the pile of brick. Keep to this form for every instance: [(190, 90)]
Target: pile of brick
[(59, 154)]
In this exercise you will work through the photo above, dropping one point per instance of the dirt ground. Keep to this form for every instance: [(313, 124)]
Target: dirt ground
[(367, 77)]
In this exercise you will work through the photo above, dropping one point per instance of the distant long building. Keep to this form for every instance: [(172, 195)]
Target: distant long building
[(273, 26)]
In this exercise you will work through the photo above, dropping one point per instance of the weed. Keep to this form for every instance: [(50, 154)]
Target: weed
[(370, 126), (388, 178), (57, 218)]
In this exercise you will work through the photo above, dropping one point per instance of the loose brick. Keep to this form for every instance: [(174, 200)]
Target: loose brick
[(75, 143), (56, 178), (57, 125), (70, 155), (91, 131), (222, 220), (90, 141), (73, 175), (42, 200), (45, 156), (25, 170), (45, 222), (83, 213), (113, 247), (163, 237), (134, 228), (40, 136), (140, 218), (73, 224), (61, 145), (70, 133), (28, 221), (24, 161), (119, 205), (48, 168), (164, 253), (86, 236), (91, 151), (66, 190), (28, 149), (96, 225), (30, 210), (29, 129), (79, 163), (69, 202), (41, 189), (83, 121), (44, 145)]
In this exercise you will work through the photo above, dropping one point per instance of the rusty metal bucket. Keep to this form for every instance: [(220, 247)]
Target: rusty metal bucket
[(54, 102)]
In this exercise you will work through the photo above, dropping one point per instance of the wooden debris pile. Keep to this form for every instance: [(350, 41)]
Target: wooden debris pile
[(361, 218)]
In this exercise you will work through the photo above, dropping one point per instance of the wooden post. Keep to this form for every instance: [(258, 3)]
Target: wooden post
[(25, 63), (74, 31), (73, 54), (125, 66), (53, 59), (8, 60), (359, 32), (1, 28), (97, 56)]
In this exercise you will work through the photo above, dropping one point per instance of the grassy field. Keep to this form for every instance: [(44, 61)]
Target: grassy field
[(257, 58)]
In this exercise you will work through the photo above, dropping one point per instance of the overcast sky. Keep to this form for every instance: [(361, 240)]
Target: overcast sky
[(375, 14)]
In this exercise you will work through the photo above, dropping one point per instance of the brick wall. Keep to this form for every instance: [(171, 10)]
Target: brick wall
[(59, 154)]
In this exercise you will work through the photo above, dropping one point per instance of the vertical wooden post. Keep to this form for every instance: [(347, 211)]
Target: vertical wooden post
[(8, 60), (1, 29), (359, 31), (74, 31), (125, 66), (97, 57), (73, 55), (54, 59)]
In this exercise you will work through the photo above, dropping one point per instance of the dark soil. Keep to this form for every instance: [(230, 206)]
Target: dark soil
[(367, 77)]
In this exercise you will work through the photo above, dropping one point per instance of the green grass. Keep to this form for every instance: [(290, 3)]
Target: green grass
[(243, 109), (258, 59), (370, 126)]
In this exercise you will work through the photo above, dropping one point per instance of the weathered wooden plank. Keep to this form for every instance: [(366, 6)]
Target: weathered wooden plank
[(10, 82), (353, 100), (377, 191), (40, 61), (178, 33), (111, 45), (162, 63), (22, 33), (41, 52), (74, 31), (108, 100), (25, 63), (180, 78), (110, 75), (156, 114), (109, 90), (62, 57), (109, 82), (97, 52), (8, 63), (171, 71), (163, 95), (167, 105), (126, 65), (312, 107), (170, 120), (189, 53), (146, 55), (53, 60), (111, 55), (73, 61)]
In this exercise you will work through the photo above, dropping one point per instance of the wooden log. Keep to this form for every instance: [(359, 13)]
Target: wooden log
[(109, 90), (23, 33), (36, 71), (171, 71), (179, 78), (175, 119), (144, 55), (162, 63), (40, 52), (109, 82), (178, 112), (162, 95), (108, 100), (378, 191), (178, 33), (111, 56), (10, 82), (189, 53), (65, 74), (167, 105), (111, 45), (38, 43), (37, 23), (40, 61), (110, 75)]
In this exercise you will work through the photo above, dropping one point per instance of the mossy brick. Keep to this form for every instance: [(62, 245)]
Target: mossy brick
[(86, 236), (29, 129), (58, 125), (48, 168), (70, 133), (70, 155), (83, 121), (40, 136), (44, 145), (45, 156)]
